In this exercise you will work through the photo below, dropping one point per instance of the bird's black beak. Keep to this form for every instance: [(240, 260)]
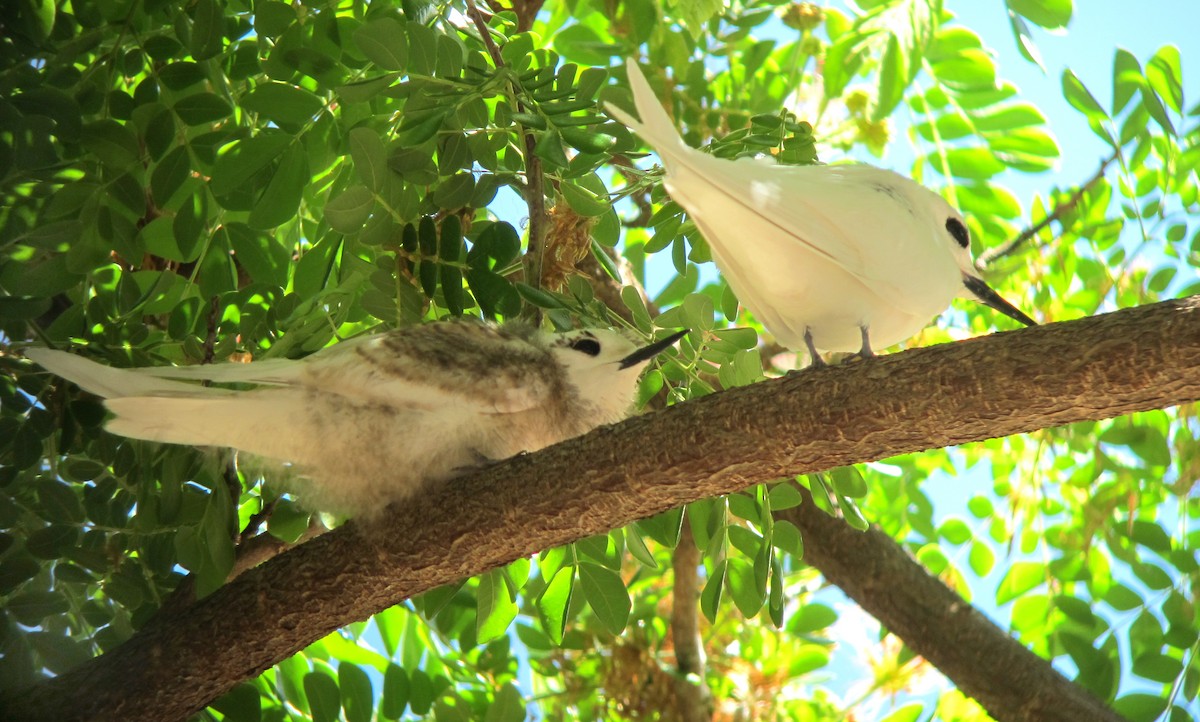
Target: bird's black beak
[(648, 352), (985, 295)]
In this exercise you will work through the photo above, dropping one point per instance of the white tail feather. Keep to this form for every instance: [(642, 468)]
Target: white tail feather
[(104, 380), (655, 126), (249, 421)]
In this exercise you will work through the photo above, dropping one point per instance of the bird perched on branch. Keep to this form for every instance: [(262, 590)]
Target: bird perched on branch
[(828, 257), (372, 420)]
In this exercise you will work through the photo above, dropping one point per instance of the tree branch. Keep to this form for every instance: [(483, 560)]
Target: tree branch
[(1094, 368), (991, 255), (1010, 682), (693, 698)]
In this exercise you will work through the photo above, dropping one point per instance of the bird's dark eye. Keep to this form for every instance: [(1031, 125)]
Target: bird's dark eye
[(589, 346), (958, 231)]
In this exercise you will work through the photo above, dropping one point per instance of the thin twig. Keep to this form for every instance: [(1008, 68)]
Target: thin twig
[(534, 194), (641, 200), (210, 341), (255, 521), (992, 254)]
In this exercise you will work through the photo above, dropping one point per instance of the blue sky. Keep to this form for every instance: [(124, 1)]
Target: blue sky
[(1087, 47)]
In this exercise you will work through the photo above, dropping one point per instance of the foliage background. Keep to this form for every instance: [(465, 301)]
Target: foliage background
[(186, 182)]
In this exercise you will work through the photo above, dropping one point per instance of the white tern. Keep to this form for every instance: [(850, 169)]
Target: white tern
[(372, 420), (828, 257)]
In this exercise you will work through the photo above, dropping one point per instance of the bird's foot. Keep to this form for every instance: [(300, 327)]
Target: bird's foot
[(817, 361)]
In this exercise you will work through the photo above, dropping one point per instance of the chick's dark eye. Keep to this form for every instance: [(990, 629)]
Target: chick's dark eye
[(589, 346), (959, 232)]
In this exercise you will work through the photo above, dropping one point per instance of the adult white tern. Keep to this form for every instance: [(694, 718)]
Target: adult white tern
[(828, 257), (372, 420)]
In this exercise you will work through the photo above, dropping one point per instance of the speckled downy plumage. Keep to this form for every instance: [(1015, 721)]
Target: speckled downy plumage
[(372, 420)]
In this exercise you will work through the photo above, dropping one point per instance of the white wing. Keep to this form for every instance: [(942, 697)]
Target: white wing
[(773, 216)]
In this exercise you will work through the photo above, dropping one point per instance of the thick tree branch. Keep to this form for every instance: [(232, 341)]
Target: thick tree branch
[(693, 699), (1094, 368), (1010, 682)]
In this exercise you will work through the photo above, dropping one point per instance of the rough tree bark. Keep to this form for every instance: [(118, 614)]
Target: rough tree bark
[(1090, 369)]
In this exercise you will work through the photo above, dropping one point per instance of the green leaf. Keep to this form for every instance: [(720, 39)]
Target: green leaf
[(284, 103), (58, 502), (910, 712), (30, 608), (455, 192), (506, 706), (384, 42), (496, 609), (710, 597), (281, 199), (357, 697), (422, 49), (1025, 41), (240, 162), (450, 250), (202, 108), (849, 482), (955, 531), (395, 692), (585, 141), (181, 75), (323, 698), (421, 692), (812, 618), (606, 594), (169, 174), (370, 157), (1020, 578), (190, 226), (112, 143), (973, 163), (583, 201), (1140, 707), (261, 254), (1127, 79), (272, 17), (748, 595), (982, 559), (242, 704), (549, 148), (555, 602), (1050, 14), (208, 28), (1080, 97), (315, 265), (349, 211), (1166, 76), (638, 549), (584, 44), (495, 294)]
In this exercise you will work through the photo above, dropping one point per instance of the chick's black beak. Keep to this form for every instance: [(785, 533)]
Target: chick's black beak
[(985, 295), (648, 352)]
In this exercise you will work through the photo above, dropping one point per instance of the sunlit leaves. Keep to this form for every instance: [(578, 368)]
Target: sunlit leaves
[(283, 175), (1046, 13)]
